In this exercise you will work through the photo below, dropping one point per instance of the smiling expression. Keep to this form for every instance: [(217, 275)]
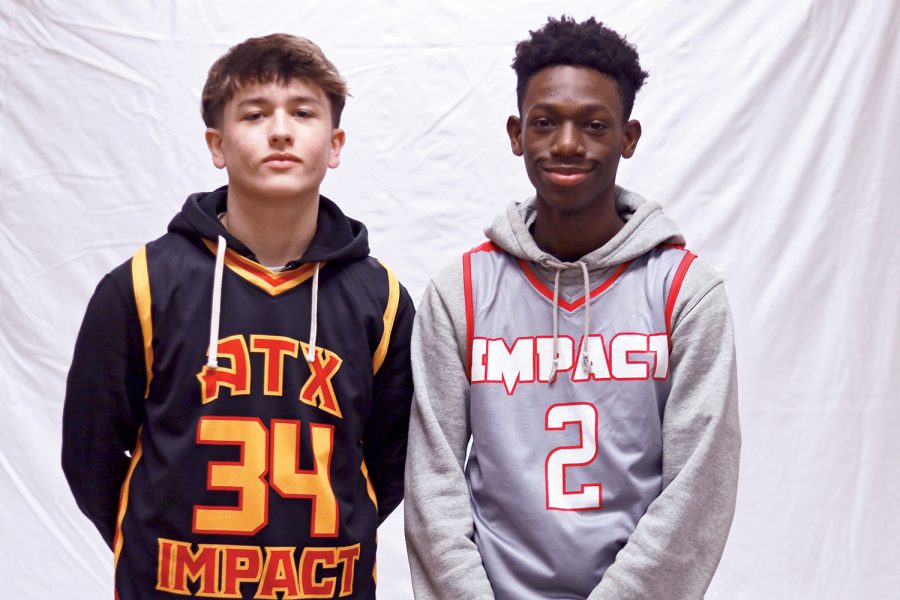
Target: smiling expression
[(572, 134), (276, 140)]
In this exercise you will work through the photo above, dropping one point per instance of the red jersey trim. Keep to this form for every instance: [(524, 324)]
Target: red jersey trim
[(272, 282), (545, 291), (488, 246), (676, 287)]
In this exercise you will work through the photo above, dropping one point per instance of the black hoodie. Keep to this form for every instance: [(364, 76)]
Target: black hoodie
[(271, 471)]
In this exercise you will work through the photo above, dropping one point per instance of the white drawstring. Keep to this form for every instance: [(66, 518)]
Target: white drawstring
[(585, 360), (311, 351), (584, 356), (213, 360), (555, 362)]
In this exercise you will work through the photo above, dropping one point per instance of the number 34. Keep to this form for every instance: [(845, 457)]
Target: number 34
[(558, 418), (263, 452)]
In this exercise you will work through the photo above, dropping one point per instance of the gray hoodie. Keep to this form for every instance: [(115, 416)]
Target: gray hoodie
[(677, 544)]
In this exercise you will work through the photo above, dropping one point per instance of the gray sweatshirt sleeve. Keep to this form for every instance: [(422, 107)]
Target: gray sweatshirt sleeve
[(677, 545), (444, 562)]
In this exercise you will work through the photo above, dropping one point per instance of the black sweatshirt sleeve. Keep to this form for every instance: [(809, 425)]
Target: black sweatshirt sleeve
[(384, 443), (104, 393)]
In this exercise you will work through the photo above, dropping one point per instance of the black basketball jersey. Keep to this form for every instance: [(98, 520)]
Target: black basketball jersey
[(251, 479)]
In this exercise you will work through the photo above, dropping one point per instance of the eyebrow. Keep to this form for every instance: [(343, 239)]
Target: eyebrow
[(300, 99), (586, 108)]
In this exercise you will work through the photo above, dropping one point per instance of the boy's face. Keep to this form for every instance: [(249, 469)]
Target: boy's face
[(276, 140), (571, 134)]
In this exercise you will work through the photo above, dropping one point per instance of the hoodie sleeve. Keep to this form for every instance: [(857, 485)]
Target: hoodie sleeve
[(444, 561), (677, 545), (104, 390), (384, 440)]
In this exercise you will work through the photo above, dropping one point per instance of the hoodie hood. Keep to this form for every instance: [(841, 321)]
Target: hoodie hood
[(645, 228), (338, 238)]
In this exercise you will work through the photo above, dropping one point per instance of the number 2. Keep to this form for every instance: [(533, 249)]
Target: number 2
[(247, 476), (558, 418)]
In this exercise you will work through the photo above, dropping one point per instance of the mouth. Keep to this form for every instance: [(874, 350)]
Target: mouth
[(280, 160), (566, 175)]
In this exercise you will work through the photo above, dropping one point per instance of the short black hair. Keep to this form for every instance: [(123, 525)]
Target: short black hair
[(564, 41)]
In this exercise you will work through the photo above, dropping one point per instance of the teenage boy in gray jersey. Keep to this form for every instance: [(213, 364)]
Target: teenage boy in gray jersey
[(589, 358)]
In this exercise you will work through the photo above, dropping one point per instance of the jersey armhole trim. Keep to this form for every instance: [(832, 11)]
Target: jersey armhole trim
[(680, 273), (390, 314), (123, 501), (487, 246), (140, 281), (470, 318), (370, 489)]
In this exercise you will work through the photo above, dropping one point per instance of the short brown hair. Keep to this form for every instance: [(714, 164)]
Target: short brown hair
[(277, 57)]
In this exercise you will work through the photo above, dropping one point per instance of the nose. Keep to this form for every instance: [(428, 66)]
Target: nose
[(280, 131), (567, 141)]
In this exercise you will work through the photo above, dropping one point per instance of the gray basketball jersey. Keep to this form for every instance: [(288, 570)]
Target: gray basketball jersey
[(561, 471)]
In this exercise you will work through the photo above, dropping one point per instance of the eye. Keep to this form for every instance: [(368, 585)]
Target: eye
[(542, 123), (596, 125), (253, 116), (303, 113)]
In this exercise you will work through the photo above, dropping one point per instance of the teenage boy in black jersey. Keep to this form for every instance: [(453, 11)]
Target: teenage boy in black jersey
[(237, 405)]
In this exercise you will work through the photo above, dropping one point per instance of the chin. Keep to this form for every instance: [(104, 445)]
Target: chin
[(284, 189)]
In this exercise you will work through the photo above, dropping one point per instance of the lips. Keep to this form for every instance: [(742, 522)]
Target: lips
[(566, 175), (281, 160)]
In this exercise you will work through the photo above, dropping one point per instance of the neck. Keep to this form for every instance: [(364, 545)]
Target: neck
[(276, 230), (570, 236)]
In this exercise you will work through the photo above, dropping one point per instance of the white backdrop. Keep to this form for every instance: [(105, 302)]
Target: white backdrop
[(771, 133)]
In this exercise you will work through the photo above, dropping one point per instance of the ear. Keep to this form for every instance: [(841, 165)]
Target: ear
[(631, 135), (514, 130), (338, 137), (214, 143)]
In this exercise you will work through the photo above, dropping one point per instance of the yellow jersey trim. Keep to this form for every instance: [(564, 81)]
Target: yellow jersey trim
[(271, 282), (140, 281), (123, 501), (390, 313)]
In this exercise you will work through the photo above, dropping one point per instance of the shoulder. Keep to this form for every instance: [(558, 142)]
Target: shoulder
[(162, 259), (698, 279), (448, 286), (172, 247), (370, 272), (119, 277), (369, 267), (120, 280), (442, 311), (448, 282), (161, 266), (699, 285), (451, 281), (113, 292), (375, 283)]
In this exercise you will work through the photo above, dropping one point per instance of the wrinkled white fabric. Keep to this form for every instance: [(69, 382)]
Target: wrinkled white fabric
[(769, 135)]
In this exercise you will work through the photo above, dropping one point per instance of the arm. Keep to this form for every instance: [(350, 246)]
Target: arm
[(444, 561), (384, 442), (104, 392), (677, 545)]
